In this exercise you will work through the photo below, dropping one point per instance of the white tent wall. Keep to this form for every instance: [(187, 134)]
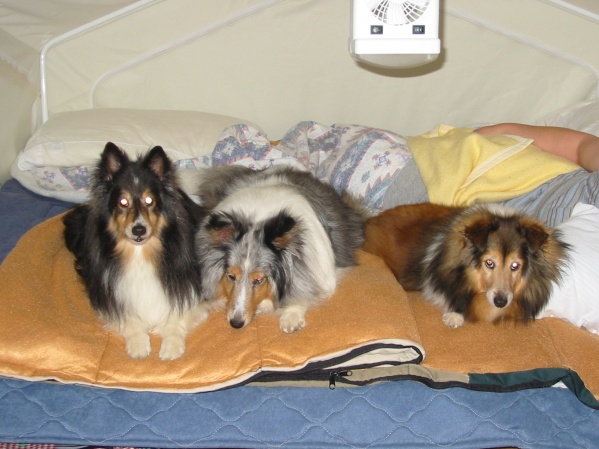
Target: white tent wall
[(276, 63), (17, 98), (25, 27)]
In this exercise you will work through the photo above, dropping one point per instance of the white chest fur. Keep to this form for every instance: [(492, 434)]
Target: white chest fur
[(141, 292)]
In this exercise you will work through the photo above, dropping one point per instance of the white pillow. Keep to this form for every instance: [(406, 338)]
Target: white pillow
[(576, 298), (59, 156), (78, 137), (582, 116)]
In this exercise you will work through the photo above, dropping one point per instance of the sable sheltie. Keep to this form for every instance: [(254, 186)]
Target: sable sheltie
[(276, 240), (480, 263), (134, 249)]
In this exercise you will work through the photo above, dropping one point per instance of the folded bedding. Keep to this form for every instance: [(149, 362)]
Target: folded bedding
[(380, 167), (51, 332), (58, 159), (370, 331)]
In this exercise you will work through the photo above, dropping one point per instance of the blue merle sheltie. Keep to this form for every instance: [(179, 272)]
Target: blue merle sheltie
[(134, 249), (276, 240)]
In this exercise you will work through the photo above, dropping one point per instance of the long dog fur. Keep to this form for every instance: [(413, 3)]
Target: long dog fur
[(134, 249), (479, 263), (276, 239)]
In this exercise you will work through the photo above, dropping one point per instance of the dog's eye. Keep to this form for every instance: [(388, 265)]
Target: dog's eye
[(515, 266), (149, 201), (124, 202), (489, 264), (231, 277), (258, 281)]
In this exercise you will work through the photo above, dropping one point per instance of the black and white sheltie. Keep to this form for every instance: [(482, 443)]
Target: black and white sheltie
[(479, 263), (134, 249), (276, 240)]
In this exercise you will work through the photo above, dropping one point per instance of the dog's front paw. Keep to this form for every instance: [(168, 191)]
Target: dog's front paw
[(453, 319), (171, 348), (292, 320), (265, 307), (138, 346)]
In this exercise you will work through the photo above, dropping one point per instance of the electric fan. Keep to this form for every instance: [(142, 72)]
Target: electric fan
[(395, 33)]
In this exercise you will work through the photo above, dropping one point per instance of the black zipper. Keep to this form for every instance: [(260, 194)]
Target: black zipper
[(337, 374)]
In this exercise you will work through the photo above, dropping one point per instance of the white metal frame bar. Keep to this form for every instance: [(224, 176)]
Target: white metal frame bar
[(569, 6), (180, 42), (74, 33)]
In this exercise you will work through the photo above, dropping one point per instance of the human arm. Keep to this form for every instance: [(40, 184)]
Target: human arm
[(576, 146)]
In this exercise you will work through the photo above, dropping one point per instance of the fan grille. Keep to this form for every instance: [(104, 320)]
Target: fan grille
[(397, 12)]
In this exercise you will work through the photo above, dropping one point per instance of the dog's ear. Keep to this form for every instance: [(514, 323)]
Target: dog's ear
[(478, 232), (280, 231), (222, 228), (158, 162), (112, 160), (534, 233)]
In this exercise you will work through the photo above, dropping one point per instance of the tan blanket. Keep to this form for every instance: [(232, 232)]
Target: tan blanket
[(487, 348), (49, 331)]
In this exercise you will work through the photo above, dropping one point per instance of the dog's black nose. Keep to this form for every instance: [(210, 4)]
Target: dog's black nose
[(500, 301), (237, 324), (138, 230)]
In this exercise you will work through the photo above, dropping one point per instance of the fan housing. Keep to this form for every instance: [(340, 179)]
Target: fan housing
[(395, 33)]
